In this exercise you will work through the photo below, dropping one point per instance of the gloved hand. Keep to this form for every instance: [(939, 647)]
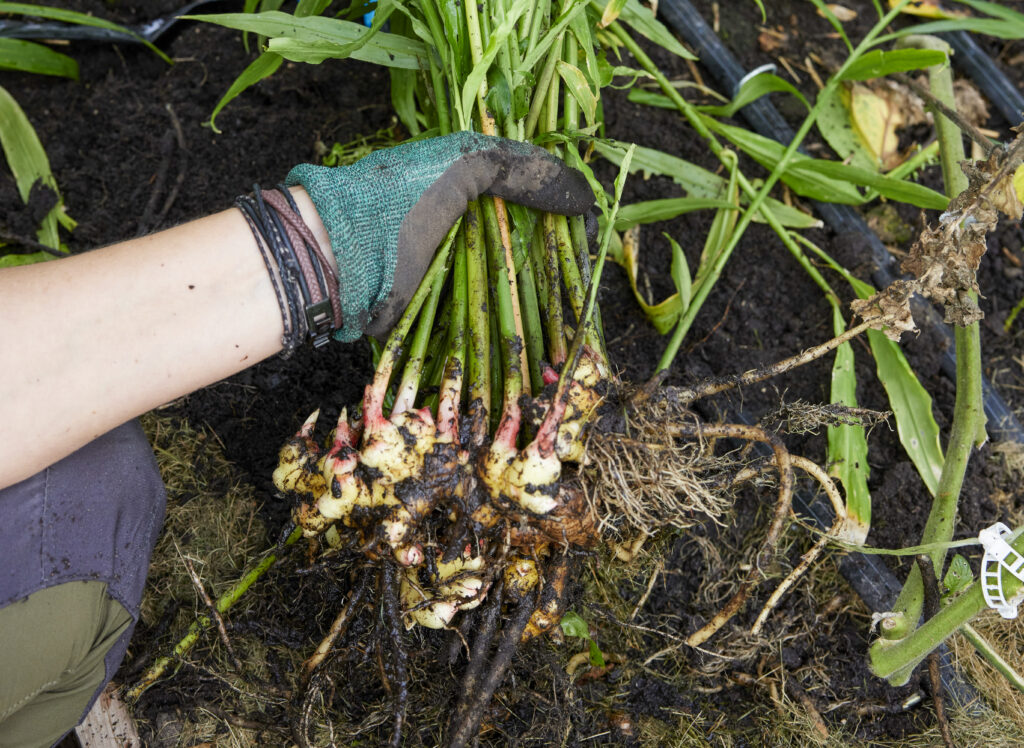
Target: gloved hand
[(400, 203)]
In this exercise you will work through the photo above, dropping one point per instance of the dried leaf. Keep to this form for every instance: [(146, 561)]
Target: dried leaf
[(841, 12), (945, 259), (998, 180), (877, 110), (970, 104), (889, 309), (770, 42), (1006, 194)]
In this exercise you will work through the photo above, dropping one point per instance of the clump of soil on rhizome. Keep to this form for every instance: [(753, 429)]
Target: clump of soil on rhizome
[(218, 448)]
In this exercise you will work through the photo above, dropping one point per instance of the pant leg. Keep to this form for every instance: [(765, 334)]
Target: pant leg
[(53, 659), (90, 522)]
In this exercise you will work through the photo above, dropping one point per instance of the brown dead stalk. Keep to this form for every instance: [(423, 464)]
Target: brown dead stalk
[(716, 386)]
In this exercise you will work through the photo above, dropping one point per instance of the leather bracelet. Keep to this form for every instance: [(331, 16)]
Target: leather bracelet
[(291, 337), (305, 284), (323, 314)]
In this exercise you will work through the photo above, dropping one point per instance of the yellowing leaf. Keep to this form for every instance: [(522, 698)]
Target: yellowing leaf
[(927, 9), (664, 315), (876, 114), (611, 12), (1009, 194)]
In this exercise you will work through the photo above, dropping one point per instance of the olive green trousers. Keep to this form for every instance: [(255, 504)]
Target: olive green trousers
[(52, 649)]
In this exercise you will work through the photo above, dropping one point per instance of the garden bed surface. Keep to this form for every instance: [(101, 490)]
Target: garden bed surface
[(109, 137)]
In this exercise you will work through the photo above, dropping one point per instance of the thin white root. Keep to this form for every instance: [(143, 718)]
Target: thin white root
[(838, 528), (805, 563)]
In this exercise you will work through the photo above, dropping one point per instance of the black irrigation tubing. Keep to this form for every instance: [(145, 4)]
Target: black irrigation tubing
[(980, 68), (144, 32), (843, 219)]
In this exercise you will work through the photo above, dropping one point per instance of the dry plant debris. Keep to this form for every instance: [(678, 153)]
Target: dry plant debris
[(944, 261)]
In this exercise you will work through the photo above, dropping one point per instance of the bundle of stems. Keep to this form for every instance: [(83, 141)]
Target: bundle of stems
[(509, 271)]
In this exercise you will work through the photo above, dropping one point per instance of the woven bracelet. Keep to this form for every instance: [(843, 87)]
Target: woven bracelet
[(305, 284), (323, 309)]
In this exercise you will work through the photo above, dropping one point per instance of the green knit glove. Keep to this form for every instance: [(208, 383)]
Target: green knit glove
[(401, 202)]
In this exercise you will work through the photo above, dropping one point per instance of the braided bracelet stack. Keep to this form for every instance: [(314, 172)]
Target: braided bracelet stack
[(304, 281)]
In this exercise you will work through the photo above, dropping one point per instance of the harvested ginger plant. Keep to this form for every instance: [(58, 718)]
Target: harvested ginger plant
[(457, 481)]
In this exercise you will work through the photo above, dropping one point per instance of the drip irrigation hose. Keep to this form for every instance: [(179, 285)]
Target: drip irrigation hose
[(980, 68), (149, 31), (843, 219)]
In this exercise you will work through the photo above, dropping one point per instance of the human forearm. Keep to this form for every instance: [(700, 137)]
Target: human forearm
[(91, 341)]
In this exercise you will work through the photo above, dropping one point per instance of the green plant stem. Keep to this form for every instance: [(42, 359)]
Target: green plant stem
[(895, 660), (565, 378), (497, 393), (405, 399), (477, 32), (437, 75), (1017, 309), (986, 650), (581, 247), (951, 143), (556, 339), (756, 198), (201, 624), (479, 385), (568, 254), (502, 284), (544, 84), (395, 344), (571, 277), (533, 329), (570, 107), (968, 412), (455, 366)]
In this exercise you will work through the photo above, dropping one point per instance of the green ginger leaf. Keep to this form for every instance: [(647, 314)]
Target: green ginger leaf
[(29, 57)]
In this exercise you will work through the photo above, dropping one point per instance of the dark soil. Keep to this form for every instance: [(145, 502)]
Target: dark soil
[(110, 142)]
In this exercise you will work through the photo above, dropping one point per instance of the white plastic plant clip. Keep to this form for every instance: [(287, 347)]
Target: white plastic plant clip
[(998, 556)]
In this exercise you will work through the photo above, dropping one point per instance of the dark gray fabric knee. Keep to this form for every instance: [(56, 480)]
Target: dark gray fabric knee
[(95, 516)]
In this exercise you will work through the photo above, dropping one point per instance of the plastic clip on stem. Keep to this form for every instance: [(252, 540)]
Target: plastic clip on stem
[(1000, 557)]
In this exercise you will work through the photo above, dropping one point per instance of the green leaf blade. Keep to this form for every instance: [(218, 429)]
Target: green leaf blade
[(478, 74), (262, 67), (642, 20), (847, 443), (577, 85), (314, 39), (27, 160), (754, 89), (29, 57), (878, 63)]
